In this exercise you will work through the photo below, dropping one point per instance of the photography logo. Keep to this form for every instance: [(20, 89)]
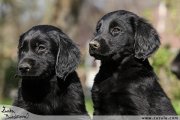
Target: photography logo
[(12, 113)]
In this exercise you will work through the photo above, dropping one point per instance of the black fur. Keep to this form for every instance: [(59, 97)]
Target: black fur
[(47, 60), (175, 67), (126, 83)]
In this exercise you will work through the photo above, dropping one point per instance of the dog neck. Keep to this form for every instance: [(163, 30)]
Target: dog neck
[(108, 68), (34, 89), (125, 61)]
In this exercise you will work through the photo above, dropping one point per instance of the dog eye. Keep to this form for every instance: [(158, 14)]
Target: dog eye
[(21, 51), (98, 28), (115, 31), (41, 48)]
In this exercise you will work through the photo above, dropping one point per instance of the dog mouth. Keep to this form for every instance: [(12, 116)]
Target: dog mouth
[(32, 72), (28, 69), (31, 75), (35, 73), (98, 55), (94, 52), (26, 74), (94, 47)]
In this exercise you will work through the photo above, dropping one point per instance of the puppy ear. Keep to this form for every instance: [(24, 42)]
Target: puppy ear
[(146, 39), (20, 40), (68, 57), (20, 43)]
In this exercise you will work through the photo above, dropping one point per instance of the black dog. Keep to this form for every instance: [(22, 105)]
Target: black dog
[(175, 67), (126, 83), (47, 60)]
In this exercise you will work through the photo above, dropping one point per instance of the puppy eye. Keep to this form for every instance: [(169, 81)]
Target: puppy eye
[(22, 49), (98, 27), (22, 52), (41, 48), (115, 31)]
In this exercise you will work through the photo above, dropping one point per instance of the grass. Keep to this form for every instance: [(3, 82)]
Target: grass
[(89, 107), (6, 101), (176, 105)]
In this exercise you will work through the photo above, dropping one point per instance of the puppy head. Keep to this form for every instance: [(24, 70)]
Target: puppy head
[(44, 51), (122, 32)]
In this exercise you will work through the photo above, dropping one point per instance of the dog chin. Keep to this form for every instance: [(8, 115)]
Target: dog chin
[(27, 75), (98, 56)]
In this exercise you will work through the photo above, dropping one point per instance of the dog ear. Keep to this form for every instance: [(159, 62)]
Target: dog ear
[(68, 57), (146, 39), (20, 42)]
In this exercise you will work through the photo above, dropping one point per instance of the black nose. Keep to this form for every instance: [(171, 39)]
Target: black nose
[(24, 67), (94, 44)]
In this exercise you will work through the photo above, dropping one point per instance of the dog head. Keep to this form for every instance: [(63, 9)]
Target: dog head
[(45, 50), (122, 32)]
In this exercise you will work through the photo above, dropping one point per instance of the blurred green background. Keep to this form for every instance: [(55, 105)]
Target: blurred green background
[(78, 18)]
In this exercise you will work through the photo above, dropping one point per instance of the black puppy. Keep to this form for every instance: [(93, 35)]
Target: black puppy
[(47, 59), (126, 83), (175, 67)]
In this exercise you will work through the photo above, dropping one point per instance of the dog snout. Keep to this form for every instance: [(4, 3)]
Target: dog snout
[(94, 44), (24, 67)]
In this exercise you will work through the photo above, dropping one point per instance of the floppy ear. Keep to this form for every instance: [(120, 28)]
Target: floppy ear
[(20, 43), (146, 39), (68, 57)]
